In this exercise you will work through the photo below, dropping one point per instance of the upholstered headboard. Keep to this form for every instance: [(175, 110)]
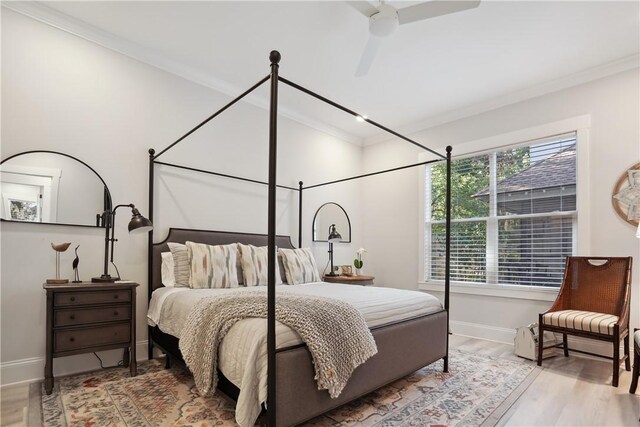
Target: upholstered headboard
[(181, 235)]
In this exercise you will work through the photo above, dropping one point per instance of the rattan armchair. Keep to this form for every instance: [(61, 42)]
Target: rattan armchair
[(593, 302)]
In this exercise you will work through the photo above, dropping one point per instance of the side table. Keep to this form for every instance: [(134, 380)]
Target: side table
[(87, 317)]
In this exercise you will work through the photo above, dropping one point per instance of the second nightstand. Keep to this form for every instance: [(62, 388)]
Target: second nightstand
[(350, 280)]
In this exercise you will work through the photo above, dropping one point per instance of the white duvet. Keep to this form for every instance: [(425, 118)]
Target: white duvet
[(243, 352)]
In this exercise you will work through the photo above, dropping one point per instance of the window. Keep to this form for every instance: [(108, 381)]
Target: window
[(513, 215)]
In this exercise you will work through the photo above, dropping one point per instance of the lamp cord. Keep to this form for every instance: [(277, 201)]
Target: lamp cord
[(325, 267), (116, 267), (120, 363)]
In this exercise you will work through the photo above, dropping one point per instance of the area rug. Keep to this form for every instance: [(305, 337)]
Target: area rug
[(478, 390)]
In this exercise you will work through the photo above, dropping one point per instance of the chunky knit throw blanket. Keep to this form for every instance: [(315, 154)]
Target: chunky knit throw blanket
[(335, 333)]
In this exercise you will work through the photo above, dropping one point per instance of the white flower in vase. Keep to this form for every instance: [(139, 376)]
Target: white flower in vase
[(357, 263)]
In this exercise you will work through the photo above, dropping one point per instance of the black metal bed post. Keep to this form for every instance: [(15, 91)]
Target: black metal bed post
[(274, 57), (447, 265), (152, 153), (300, 214)]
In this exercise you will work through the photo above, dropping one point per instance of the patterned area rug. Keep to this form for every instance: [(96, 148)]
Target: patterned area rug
[(478, 390)]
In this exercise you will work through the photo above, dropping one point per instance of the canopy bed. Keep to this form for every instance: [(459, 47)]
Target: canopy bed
[(289, 371)]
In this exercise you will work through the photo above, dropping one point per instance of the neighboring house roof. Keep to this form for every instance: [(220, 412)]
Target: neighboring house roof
[(554, 171)]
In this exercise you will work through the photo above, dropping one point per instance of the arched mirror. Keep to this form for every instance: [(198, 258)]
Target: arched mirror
[(51, 188), (328, 214)]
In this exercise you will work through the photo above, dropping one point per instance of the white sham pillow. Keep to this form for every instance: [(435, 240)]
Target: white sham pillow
[(166, 270), (299, 266), (254, 265), (213, 266)]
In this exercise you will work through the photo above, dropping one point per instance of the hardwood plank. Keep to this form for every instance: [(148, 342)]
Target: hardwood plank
[(13, 401)]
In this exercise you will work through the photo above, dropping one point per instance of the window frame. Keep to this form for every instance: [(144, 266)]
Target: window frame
[(580, 125)]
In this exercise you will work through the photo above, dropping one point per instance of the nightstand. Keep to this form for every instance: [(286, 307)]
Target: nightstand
[(87, 317), (350, 280)]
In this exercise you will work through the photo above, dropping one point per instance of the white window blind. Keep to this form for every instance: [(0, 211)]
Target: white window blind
[(513, 215)]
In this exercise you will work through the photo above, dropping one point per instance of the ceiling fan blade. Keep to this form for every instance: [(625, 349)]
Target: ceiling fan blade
[(369, 54), (364, 7), (431, 9)]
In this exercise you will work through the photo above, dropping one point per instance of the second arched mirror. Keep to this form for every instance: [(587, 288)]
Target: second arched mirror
[(328, 214)]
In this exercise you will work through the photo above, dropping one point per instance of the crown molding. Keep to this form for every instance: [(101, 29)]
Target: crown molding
[(575, 79), (79, 28)]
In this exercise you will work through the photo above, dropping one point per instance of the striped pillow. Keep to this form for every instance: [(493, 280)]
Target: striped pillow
[(254, 265), (181, 268), (299, 266), (213, 266)]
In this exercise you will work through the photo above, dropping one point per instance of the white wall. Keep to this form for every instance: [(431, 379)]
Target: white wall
[(63, 93), (392, 223)]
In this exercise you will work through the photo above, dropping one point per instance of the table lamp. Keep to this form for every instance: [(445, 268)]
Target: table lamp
[(137, 225), (334, 237)]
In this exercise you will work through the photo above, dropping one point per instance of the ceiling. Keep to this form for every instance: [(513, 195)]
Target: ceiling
[(425, 70)]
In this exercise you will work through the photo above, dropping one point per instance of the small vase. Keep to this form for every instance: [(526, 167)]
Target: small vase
[(358, 272)]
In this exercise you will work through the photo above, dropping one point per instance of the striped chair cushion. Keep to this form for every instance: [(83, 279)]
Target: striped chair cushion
[(581, 320)]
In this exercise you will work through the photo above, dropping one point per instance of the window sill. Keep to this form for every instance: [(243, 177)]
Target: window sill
[(535, 293)]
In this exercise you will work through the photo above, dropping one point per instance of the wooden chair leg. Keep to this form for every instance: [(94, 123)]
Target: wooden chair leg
[(616, 360), (540, 343), (636, 373), (627, 360), (565, 345)]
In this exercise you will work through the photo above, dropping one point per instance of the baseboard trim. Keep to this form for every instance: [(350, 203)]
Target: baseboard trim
[(25, 371), (485, 332), (507, 335)]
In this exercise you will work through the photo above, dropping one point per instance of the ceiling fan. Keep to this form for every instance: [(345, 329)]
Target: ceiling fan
[(384, 20)]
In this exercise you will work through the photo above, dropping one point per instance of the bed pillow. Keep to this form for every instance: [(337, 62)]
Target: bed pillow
[(299, 266), (181, 268), (213, 266), (283, 274), (166, 270), (254, 265)]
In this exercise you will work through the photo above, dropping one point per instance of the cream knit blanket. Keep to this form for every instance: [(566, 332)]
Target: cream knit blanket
[(335, 333)]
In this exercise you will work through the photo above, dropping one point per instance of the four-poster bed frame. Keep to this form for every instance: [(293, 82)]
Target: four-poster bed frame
[(384, 335)]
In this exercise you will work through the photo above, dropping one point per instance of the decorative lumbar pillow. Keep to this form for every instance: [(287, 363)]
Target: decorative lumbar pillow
[(213, 266), (299, 266), (167, 270), (283, 274), (181, 268), (254, 265)]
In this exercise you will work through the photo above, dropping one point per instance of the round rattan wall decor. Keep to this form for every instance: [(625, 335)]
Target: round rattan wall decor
[(626, 195)]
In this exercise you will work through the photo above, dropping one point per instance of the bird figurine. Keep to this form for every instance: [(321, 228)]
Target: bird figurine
[(74, 264), (58, 247)]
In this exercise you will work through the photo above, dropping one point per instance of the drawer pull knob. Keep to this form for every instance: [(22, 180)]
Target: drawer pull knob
[(72, 317), (72, 339), (115, 313), (115, 296), (72, 298)]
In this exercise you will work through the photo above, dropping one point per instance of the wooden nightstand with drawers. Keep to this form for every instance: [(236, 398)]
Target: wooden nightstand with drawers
[(88, 317)]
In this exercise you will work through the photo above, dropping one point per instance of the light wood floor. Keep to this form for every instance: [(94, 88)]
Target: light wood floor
[(573, 391)]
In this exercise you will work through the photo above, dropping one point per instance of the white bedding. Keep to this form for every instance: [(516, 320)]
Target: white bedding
[(243, 352)]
